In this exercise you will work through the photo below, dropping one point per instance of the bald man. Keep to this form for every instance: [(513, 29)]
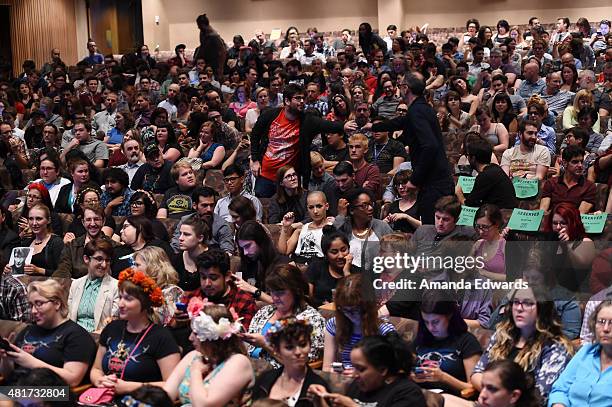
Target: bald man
[(532, 84)]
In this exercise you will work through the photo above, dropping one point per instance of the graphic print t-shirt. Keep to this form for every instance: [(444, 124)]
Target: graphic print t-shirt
[(449, 353), (177, 203), (68, 342), (283, 145), (142, 366)]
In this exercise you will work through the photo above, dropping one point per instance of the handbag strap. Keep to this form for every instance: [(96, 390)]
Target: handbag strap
[(134, 349)]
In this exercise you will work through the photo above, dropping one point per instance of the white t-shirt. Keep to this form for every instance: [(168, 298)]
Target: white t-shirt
[(524, 164)]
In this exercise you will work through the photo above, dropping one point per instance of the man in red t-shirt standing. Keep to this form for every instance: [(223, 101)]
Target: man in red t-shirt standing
[(283, 136)]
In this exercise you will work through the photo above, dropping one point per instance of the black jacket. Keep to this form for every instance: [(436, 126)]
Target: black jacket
[(310, 126), (492, 186), (265, 381), (422, 134)]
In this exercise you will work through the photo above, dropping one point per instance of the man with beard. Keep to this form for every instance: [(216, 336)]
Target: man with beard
[(283, 136), (116, 198), (71, 263), (529, 159), (170, 103), (154, 175), (213, 100), (104, 121), (571, 185), (204, 204), (131, 150), (217, 286), (386, 104), (12, 148)]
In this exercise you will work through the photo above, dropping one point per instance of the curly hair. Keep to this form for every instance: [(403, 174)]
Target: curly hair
[(547, 330), (158, 266)]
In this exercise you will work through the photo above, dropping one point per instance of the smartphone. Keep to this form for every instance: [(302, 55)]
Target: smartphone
[(4, 344), (181, 306)]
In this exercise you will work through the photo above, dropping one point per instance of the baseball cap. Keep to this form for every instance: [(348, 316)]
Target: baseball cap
[(151, 150)]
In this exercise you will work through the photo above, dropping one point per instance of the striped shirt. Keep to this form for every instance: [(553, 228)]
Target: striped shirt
[(557, 102), (85, 314), (345, 355)]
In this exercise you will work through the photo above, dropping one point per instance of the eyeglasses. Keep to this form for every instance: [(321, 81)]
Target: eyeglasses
[(290, 176), (526, 304), (137, 203), (230, 179), (484, 228), (603, 322), (364, 205), (38, 304), (47, 169), (101, 260)]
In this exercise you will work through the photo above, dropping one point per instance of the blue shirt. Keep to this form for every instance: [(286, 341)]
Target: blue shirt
[(582, 383), (114, 136), (548, 136), (527, 89)]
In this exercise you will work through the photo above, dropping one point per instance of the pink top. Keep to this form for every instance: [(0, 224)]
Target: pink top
[(242, 111), (497, 263)]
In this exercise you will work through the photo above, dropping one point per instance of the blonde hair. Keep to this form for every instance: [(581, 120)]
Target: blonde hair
[(583, 93), (158, 266), (176, 168), (360, 138), (316, 158), (52, 290)]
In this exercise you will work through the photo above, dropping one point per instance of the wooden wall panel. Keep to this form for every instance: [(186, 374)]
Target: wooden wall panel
[(37, 26)]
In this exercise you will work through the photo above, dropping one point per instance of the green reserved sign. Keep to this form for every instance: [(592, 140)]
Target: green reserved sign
[(525, 188), (526, 220), (466, 218), (466, 183), (594, 223)]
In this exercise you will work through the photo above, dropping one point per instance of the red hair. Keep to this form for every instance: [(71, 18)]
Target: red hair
[(571, 215)]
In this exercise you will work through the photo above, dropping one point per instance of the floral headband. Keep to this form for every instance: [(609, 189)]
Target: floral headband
[(149, 196), (280, 325), (145, 282), (205, 328)]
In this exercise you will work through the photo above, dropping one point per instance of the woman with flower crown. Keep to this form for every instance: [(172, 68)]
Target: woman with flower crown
[(290, 339), (217, 372), (133, 350)]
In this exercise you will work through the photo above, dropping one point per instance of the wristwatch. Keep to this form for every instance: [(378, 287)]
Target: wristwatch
[(257, 294)]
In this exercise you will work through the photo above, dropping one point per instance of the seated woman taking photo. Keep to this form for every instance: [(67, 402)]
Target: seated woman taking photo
[(217, 372), (290, 340), (289, 292), (446, 351), (133, 350), (355, 317), (53, 341), (381, 376)]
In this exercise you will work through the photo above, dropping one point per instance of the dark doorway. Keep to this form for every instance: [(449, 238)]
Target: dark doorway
[(6, 54), (115, 25)]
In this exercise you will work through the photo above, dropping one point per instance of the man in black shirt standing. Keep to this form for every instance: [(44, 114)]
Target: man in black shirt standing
[(421, 131), (492, 185)]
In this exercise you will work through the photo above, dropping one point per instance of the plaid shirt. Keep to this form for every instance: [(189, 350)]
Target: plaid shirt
[(13, 299), (120, 210), (242, 302)]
